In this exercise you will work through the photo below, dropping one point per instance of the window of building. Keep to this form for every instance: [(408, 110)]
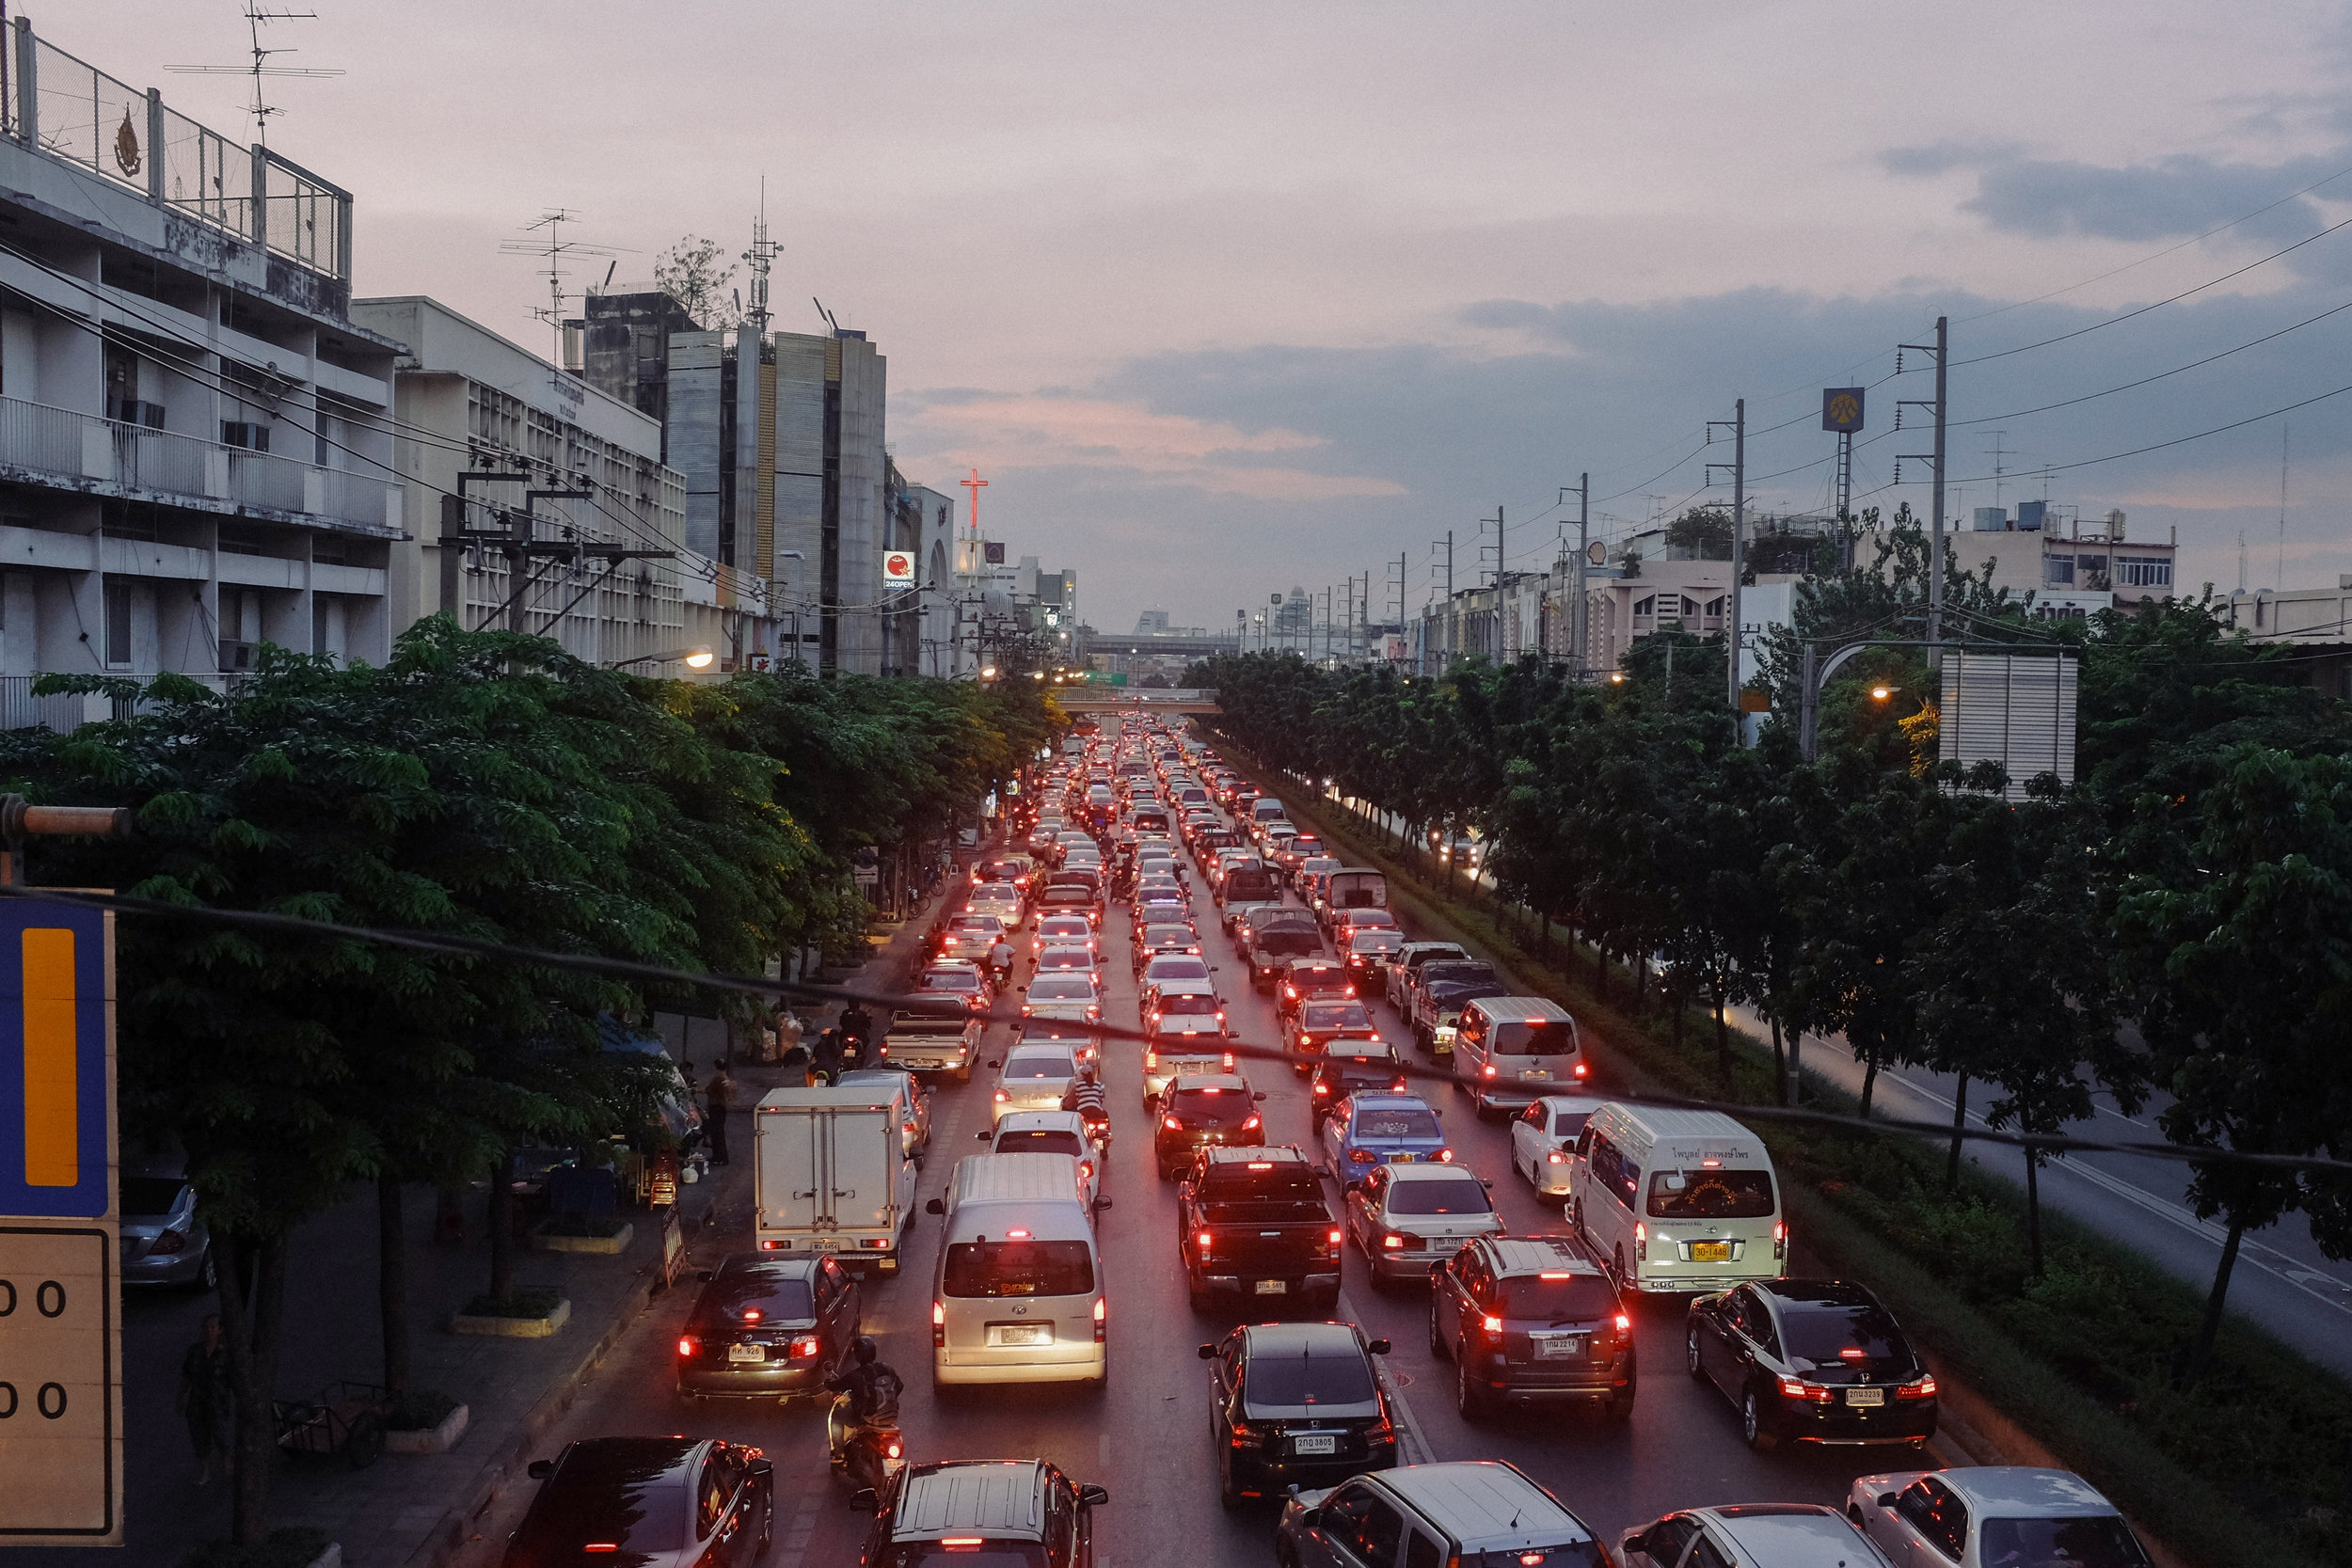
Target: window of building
[(2143, 571), (1645, 607), (2057, 569), (118, 623)]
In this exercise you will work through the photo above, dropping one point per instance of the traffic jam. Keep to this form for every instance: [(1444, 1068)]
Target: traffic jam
[(1335, 1230)]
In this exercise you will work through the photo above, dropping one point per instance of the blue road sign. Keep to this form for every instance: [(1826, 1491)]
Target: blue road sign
[(56, 1108)]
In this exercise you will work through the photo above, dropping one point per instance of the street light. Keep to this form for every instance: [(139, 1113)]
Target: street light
[(988, 672), (696, 658), (1882, 692)]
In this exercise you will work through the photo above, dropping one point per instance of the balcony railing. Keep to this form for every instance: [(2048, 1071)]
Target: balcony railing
[(80, 445), (21, 710)]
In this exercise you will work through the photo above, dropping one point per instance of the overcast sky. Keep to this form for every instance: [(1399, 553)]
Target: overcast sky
[(1224, 297)]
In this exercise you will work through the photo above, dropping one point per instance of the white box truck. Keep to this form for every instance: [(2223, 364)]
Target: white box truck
[(832, 1175)]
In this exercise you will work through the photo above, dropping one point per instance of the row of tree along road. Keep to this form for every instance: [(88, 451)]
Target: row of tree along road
[(483, 785)]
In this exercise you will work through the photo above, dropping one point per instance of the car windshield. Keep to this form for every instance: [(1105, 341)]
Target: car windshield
[(1449, 1194), (1368, 1075), (1064, 925), (1374, 939), (1828, 1335), (1169, 936), (1040, 1063), (2099, 1542), (951, 979), (1326, 1379), (1577, 1298), (726, 1298), (1334, 1015), (1162, 914), (1396, 1121), (1218, 1107), (1535, 1037), (1710, 1193), (1040, 1140), (1066, 957), (1061, 988), (1020, 1269), (1177, 969), (1454, 972), (988, 1554), (150, 1195), (1189, 1006), (1289, 941), (1319, 977)]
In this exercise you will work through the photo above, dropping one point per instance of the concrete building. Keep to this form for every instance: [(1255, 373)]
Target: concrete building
[(623, 342), (194, 432), (2317, 620), (2051, 553), (470, 403)]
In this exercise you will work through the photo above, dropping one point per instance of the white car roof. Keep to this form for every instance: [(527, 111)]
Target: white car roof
[(1042, 1121), (2021, 1491)]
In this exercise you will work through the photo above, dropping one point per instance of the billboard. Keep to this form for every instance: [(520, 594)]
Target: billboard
[(898, 568), (993, 552), (2016, 709), (1841, 409)]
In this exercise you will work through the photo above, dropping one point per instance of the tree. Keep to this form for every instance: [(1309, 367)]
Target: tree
[(1703, 531), (691, 272)]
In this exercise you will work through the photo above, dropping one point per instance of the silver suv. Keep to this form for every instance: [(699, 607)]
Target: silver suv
[(1467, 1511)]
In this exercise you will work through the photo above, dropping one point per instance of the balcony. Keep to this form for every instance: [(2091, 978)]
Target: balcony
[(83, 451)]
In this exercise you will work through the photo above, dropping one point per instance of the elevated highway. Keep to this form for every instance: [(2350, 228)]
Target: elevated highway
[(1126, 699)]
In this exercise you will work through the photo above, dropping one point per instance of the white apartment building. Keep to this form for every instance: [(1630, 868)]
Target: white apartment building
[(193, 430), (608, 575)]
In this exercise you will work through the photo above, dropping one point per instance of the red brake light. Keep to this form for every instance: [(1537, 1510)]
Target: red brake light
[(1254, 1124), (1491, 1323), (1002, 1096), (1556, 1158), (1171, 1124), (1923, 1390), (1445, 1156), (1228, 1061), (753, 1314), (1321, 1088), (685, 1345), (1332, 1238), (1581, 1069), (1204, 1241), (1392, 1243), (804, 1347), (1625, 1325)]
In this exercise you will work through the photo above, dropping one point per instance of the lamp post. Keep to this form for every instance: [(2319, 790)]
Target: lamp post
[(699, 657)]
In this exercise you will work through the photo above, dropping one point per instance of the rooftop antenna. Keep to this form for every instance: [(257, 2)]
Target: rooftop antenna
[(261, 108), (554, 248), (1998, 472), (2286, 429), (763, 251), (823, 312)]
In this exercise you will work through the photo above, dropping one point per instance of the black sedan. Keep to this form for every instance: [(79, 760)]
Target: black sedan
[(654, 1502), (768, 1327), (1201, 1109), (1295, 1404), (1812, 1361)]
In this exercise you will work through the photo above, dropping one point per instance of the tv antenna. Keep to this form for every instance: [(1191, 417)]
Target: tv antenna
[(261, 108), (553, 249), (764, 251)]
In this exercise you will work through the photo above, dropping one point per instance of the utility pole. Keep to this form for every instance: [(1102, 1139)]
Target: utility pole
[(1738, 467), (1583, 543), (1935, 551)]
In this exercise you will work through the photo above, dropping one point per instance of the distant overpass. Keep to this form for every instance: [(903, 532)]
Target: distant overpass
[(1099, 699)]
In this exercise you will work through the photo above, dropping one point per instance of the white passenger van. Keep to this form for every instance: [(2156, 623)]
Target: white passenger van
[(1509, 1052), (1017, 1295), (1675, 1201)]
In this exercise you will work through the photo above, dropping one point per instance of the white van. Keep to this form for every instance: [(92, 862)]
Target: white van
[(1509, 1052), (1017, 1296), (1676, 1202)]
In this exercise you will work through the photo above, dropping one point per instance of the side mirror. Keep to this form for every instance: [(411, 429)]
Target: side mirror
[(1101, 1203), (1377, 1347), (1259, 1096), (866, 1500), (935, 1206), (706, 1275), (1206, 1352), (1093, 1497), (1484, 1182), (1310, 1518), (539, 1470), (983, 1135), (762, 1469)]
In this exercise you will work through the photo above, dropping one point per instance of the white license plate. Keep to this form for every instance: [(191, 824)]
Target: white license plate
[(1559, 1347), (1866, 1396), (828, 1243), (1272, 1287), (747, 1353), (1021, 1334), (1325, 1443)]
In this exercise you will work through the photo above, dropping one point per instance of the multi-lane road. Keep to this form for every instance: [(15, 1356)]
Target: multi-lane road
[(1145, 1437)]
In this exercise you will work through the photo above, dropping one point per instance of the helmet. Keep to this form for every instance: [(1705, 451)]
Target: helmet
[(865, 1349)]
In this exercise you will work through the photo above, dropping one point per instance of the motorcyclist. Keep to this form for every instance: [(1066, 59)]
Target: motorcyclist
[(824, 1061), (1085, 1097), (1000, 960), (869, 1399), (857, 1026)]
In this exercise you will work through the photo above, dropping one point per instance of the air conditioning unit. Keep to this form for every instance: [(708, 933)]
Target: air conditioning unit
[(235, 656), (243, 432), (150, 415)]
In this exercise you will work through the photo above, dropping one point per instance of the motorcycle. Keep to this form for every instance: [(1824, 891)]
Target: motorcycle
[(864, 1454)]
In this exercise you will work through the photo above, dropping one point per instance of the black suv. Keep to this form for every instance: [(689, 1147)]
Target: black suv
[(982, 1511), (1531, 1320), (1201, 1109), (652, 1500), (1338, 1076), (1812, 1361), (1295, 1404)]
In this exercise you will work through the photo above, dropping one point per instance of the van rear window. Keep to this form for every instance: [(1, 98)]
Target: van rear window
[(1548, 1038), (996, 1268), (1711, 1195)]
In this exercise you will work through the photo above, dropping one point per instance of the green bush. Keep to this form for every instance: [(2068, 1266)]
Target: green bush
[(285, 1549)]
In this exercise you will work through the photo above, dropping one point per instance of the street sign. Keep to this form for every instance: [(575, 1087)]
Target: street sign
[(1597, 553), (1842, 408), (60, 1340), (898, 568)]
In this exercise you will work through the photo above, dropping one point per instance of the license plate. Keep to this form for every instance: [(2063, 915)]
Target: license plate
[(1710, 1252), (1402, 1157), (1866, 1396), (1325, 1443), (1272, 1287), (829, 1244), (1559, 1347), (747, 1353), (1021, 1334)]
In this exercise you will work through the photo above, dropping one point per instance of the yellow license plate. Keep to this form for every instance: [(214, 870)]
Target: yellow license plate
[(1710, 1252)]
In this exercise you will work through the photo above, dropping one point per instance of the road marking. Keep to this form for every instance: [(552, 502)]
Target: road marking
[(1417, 1448)]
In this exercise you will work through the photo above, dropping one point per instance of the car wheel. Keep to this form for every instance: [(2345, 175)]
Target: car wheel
[(1576, 1221), (1616, 1267), (1436, 1340), (1619, 1409), (1691, 1354), (1468, 1399), (1752, 1429), (208, 1273)]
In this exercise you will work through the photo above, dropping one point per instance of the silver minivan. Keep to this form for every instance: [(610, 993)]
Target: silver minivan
[(1509, 1052), (1017, 1295)]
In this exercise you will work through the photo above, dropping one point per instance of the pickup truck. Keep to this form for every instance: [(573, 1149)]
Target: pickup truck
[(1439, 992), (1406, 967), (1252, 1225), (1273, 943), (932, 1042)]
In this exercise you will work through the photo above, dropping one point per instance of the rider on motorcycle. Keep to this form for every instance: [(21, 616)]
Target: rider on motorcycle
[(869, 1404), (1000, 961), (1085, 1097)]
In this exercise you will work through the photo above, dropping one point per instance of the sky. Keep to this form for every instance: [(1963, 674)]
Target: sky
[(1223, 299)]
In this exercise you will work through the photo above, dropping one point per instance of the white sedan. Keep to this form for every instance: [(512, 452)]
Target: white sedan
[(1543, 1137), (1053, 1132)]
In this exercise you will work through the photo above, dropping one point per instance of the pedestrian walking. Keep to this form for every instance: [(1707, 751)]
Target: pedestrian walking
[(208, 1401), (718, 1099)]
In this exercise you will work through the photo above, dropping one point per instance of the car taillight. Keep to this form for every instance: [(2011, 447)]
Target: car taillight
[(1445, 1156), (895, 1449), (1922, 1389), (1002, 1096), (1581, 1069), (1244, 1436), (1100, 1323), (804, 1347), (1204, 1241), (1171, 1124), (1491, 1323), (1625, 1325), (1151, 1061), (1556, 1158), (1362, 1157), (1291, 991), (1228, 1061), (686, 1346), (1491, 1069), (1392, 1243), (1321, 1088), (166, 1243), (1792, 1388), (939, 1325), (1780, 1239), (1331, 1239), (1254, 1124), (1641, 1241)]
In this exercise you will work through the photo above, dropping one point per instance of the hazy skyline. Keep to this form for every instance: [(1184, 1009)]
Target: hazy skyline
[(1222, 298)]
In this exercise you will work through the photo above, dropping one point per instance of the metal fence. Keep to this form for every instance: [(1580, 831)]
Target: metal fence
[(20, 709)]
